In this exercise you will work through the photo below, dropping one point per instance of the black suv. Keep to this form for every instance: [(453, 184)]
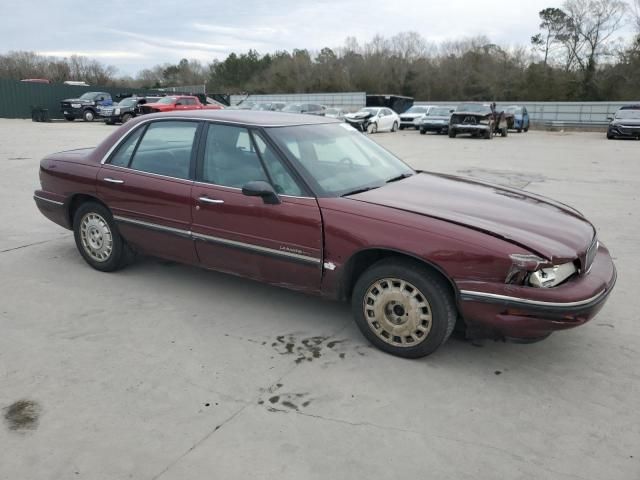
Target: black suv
[(86, 106), (625, 123), (125, 110)]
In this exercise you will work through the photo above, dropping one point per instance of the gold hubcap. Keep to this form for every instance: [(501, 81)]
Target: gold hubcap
[(397, 312)]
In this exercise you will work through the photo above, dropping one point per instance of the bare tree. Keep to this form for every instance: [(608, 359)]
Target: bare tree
[(555, 29)]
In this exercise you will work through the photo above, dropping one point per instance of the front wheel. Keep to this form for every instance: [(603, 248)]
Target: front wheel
[(403, 308), (452, 133), (372, 128), (423, 131), (88, 116), (394, 128), (126, 117), (97, 238), (504, 132)]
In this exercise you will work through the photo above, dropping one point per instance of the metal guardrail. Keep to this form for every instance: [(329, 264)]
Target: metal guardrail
[(346, 100), (563, 114)]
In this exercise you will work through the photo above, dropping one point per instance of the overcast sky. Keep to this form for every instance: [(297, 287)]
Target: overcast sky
[(132, 37)]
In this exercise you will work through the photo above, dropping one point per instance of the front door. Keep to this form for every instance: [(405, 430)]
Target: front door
[(276, 243), (147, 184)]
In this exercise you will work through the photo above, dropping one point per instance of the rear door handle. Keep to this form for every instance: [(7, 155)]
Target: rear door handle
[(210, 200), (113, 180)]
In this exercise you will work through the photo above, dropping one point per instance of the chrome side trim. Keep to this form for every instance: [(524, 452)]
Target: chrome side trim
[(218, 240), (256, 248), (153, 226), (525, 301), (55, 202)]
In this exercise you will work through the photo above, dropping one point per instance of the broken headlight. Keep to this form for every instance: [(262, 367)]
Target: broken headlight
[(537, 272)]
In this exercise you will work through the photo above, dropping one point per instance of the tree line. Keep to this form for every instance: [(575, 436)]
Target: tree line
[(575, 55)]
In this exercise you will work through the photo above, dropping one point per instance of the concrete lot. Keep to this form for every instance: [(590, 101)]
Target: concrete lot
[(171, 372)]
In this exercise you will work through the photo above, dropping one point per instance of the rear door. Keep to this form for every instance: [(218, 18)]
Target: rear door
[(147, 185), (279, 244)]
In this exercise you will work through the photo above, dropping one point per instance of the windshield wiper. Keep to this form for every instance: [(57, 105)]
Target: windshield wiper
[(400, 177), (359, 190)]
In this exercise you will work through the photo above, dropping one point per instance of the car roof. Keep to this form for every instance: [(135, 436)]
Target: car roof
[(248, 117)]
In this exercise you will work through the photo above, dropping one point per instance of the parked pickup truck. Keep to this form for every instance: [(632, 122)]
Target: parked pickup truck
[(177, 103), (86, 106)]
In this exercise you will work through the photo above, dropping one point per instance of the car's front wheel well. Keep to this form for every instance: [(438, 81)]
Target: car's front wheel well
[(76, 201), (362, 260)]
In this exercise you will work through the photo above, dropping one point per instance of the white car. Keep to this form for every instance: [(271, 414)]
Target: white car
[(374, 119), (409, 119)]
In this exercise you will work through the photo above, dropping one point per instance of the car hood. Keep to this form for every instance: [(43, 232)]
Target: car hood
[(627, 121), (547, 228), (411, 115), (359, 115), (77, 100), (429, 118)]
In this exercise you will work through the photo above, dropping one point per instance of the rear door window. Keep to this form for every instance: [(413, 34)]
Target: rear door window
[(166, 149)]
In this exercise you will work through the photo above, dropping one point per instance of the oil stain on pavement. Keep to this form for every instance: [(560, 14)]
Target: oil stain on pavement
[(22, 415)]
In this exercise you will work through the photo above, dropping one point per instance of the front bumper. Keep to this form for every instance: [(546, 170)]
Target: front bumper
[(470, 127), (528, 313), (624, 131), (71, 112), (433, 126)]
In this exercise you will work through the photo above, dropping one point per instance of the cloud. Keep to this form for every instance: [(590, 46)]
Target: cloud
[(106, 54)]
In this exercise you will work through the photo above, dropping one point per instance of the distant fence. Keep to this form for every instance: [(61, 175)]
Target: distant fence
[(346, 100), (18, 98), (563, 114)]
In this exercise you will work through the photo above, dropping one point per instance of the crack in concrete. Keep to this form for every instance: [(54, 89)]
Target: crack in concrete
[(199, 442), (31, 244)]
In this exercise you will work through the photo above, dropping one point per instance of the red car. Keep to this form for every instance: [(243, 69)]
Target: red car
[(177, 103), (310, 204)]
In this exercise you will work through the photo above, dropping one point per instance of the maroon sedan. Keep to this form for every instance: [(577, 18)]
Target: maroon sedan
[(310, 204)]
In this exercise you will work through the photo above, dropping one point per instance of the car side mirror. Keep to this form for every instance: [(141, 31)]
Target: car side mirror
[(261, 189), (610, 119)]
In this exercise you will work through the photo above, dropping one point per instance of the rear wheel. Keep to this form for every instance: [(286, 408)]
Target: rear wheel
[(526, 129), (403, 308), (97, 238), (519, 130)]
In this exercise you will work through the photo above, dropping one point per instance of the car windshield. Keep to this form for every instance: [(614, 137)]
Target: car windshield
[(416, 109), (293, 107), (628, 114), (369, 110), (88, 96), (439, 112), (339, 159), (127, 102), (474, 107), (514, 110), (167, 100)]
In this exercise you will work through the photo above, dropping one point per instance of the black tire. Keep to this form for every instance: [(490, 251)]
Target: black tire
[(452, 133), (88, 115), (423, 131), (431, 287), (401, 127), (120, 253), (126, 117), (394, 128), (69, 119), (488, 134), (504, 132), (519, 130), (372, 128), (109, 122), (609, 136), (526, 129)]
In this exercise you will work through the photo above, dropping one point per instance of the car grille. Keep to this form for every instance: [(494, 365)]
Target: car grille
[(406, 119), (107, 112), (629, 129)]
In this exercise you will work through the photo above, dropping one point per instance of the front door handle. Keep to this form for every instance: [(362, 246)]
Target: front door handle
[(210, 200), (113, 180)]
